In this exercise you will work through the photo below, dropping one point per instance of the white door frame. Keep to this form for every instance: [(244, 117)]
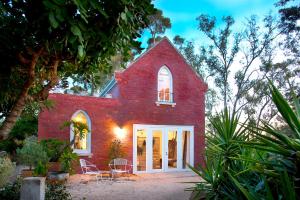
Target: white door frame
[(148, 128)]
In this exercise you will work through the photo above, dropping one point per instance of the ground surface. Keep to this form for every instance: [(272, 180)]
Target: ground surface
[(158, 186)]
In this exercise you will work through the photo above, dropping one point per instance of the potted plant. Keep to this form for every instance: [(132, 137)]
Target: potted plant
[(32, 154), (67, 161), (115, 150), (54, 149)]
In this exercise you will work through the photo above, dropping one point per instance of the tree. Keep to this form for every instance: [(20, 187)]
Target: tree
[(283, 74), (289, 15), (93, 82), (157, 26), (228, 50), (220, 55), (45, 42), (255, 40), (178, 41), (196, 61), (32, 153)]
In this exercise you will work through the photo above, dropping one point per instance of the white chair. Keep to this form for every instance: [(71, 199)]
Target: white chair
[(120, 166), (90, 169)]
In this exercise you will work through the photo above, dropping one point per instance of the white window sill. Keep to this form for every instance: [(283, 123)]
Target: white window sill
[(158, 103), (84, 154)]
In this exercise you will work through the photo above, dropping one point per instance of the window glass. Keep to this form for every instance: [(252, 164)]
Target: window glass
[(141, 149), (80, 143), (164, 85)]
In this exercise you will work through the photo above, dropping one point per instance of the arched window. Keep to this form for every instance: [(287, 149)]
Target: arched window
[(165, 85), (82, 143)]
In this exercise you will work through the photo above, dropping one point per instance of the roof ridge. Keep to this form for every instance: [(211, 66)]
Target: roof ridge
[(148, 50), (144, 53), (200, 77), (169, 41)]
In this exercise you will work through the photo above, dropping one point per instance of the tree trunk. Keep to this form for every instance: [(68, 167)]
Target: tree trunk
[(12, 117), (18, 107), (225, 93), (43, 94)]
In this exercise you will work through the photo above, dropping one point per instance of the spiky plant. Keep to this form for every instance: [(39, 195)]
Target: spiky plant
[(283, 151), (263, 166), (223, 146)]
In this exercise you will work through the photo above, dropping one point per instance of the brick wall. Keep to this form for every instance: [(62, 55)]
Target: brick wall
[(137, 94)]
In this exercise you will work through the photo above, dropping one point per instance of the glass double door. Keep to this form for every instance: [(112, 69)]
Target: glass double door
[(159, 148)]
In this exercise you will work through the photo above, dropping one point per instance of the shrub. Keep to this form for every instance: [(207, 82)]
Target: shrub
[(115, 150), (223, 146), (54, 148), (25, 126), (67, 159), (11, 191), (54, 191), (32, 153), (6, 169), (263, 165), (57, 191), (41, 169)]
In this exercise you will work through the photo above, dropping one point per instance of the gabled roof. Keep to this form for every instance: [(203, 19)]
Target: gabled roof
[(113, 81)]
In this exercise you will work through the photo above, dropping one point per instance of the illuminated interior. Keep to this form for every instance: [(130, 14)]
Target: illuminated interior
[(80, 142), (185, 148), (172, 149), (141, 150), (157, 149), (164, 85)]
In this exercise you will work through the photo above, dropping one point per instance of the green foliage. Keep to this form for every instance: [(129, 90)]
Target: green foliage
[(26, 125), (57, 191), (252, 162), (223, 138), (61, 39), (289, 15), (11, 191), (257, 42), (220, 55), (40, 169), (54, 148), (32, 153), (79, 128), (283, 149), (115, 150), (157, 26), (54, 191), (223, 147), (68, 159), (7, 168)]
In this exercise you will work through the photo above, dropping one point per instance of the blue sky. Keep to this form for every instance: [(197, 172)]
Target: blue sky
[(183, 14)]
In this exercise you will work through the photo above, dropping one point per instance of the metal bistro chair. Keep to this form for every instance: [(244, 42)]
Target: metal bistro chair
[(120, 166), (90, 169)]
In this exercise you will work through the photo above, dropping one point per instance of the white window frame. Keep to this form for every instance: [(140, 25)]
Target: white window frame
[(171, 102), (148, 129), (81, 152)]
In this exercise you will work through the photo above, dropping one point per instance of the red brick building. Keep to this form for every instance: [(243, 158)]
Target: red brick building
[(156, 108)]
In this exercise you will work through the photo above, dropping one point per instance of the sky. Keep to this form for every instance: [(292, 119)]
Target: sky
[(183, 14)]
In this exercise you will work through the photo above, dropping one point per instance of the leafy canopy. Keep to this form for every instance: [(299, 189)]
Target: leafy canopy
[(43, 42)]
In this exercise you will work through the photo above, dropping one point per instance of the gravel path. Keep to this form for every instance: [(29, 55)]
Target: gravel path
[(158, 186)]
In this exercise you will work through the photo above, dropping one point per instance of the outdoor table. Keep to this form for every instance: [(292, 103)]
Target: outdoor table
[(102, 174)]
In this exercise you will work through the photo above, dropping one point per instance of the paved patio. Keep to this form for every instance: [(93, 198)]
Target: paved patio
[(158, 186)]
